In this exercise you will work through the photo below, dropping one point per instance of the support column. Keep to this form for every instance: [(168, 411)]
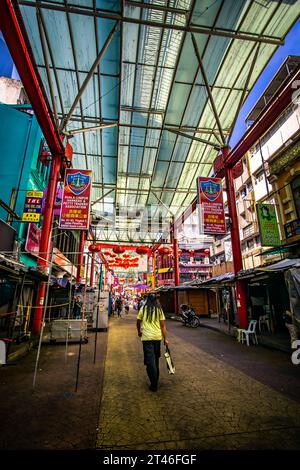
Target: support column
[(92, 270), (45, 240), (241, 295), (176, 273), (80, 256)]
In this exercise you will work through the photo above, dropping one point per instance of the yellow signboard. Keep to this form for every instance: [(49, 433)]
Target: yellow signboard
[(34, 194), (164, 270), (33, 206), (31, 217)]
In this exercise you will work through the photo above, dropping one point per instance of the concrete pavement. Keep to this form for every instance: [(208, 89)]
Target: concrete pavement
[(224, 395), (52, 415), (208, 404)]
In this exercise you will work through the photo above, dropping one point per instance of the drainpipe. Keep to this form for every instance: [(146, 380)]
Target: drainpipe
[(80, 256), (92, 270)]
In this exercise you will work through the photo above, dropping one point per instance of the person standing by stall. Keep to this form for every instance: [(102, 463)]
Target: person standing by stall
[(77, 307), (119, 306)]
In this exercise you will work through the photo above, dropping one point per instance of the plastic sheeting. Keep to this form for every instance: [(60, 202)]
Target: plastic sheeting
[(292, 279)]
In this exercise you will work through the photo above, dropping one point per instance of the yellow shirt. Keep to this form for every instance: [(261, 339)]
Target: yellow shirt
[(151, 329)]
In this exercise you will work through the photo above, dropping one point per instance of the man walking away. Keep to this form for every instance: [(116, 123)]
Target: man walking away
[(151, 328)]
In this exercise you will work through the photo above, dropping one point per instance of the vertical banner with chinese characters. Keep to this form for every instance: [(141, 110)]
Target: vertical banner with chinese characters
[(33, 206), (210, 199), (268, 225), (75, 206)]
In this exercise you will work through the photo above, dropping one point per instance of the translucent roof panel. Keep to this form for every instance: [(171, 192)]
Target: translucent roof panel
[(145, 72)]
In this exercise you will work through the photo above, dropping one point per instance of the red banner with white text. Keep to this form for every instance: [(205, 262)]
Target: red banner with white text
[(210, 199)]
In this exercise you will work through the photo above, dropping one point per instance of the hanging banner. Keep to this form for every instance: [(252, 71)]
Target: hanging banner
[(268, 225), (33, 239), (210, 200), (75, 206), (33, 206)]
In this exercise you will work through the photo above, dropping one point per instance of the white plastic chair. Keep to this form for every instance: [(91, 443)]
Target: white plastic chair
[(249, 333)]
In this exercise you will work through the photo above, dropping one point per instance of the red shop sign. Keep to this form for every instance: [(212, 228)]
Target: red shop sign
[(75, 207)]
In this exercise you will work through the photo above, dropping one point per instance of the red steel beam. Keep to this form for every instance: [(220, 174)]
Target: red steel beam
[(274, 109), (114, 245), (17, 41)]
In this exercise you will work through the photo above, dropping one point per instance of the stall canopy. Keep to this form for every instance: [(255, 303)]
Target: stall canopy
[(281, 265), (148, 92)]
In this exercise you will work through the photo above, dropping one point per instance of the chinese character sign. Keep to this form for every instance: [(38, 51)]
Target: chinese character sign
[(33, 206), (75, 207), (268, 225), (210, 198)]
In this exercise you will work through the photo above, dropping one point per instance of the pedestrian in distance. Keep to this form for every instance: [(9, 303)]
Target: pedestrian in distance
[(77, 307), (119, 306), (151, 328)]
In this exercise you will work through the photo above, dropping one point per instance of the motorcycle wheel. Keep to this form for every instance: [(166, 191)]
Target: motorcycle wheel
[(195, 322)]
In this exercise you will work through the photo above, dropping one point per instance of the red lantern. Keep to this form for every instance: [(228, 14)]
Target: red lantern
[(207, 251), (94, 247), (192, 252), (164, 250), (142, 250), (126, 255), (179, 252), (67, 160), (45, 157), (119, 250), (107, 253), (238, 170)]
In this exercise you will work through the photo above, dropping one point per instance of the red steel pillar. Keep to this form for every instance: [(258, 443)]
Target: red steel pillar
[(45, 240), (176, 272), (92, 270), (80, 256), (176, 262), (235, 243)]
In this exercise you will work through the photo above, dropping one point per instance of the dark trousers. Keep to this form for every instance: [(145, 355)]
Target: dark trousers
[(151, 360)]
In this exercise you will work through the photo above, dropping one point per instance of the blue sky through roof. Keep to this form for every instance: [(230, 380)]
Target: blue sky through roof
[(291, 47)]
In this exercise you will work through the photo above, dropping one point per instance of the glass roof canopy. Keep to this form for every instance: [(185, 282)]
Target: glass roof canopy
[(148, 92)]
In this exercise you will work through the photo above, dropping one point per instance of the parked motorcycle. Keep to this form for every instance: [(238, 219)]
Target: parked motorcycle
[(188, 316)]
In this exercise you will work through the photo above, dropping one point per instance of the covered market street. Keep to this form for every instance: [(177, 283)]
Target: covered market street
[(224, 395)]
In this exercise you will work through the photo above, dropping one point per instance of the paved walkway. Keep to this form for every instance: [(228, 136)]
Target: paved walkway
[(207, 404), (53, 415)]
